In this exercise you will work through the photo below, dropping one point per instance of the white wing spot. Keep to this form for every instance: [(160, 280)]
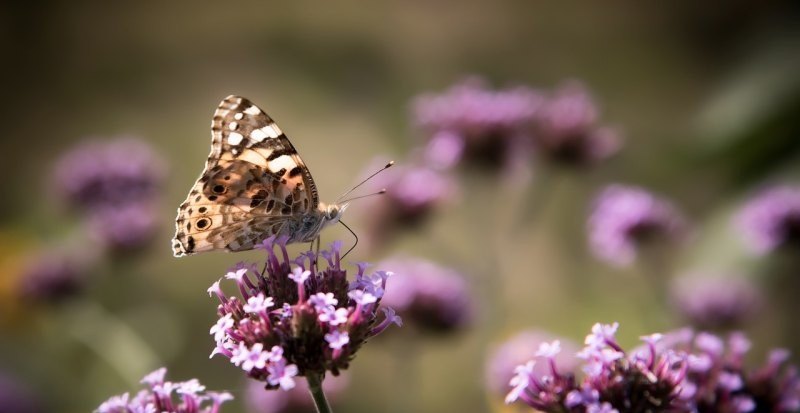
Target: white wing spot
[(258, 135), (252, 110), (233, 125), (235, 138), (272, 130), (238, 115)]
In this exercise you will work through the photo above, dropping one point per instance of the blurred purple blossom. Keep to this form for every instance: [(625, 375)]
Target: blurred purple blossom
[(568, 130), (166, 397), (115, 172), (125, 227), (294, 319), (259, 400), (519, 349), (52, 276), (15, 397), (771, 219), (427, 295), (677, 372), (625, 218), (716, 302), (469, 122), (413, 193)]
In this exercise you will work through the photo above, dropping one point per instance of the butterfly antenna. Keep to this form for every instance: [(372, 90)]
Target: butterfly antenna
[(354, 235), (381, 192), (388, 165)]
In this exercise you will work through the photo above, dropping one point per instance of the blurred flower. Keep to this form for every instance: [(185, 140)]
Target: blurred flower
[(614, 382), (166, 397), (51, 276), (427, 295), (101, 173), (472, 123), (295, 320), (519, 349), (413, 192), (16, 397), (124, 227), (260, 400), (679, 372), (626, 218), (568, 131), (715, 302), (771, 219)]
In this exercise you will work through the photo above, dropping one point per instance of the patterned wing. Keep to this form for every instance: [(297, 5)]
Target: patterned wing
[(253, 185)]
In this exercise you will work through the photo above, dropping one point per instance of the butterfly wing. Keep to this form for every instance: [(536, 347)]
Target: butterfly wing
[(253, 186)]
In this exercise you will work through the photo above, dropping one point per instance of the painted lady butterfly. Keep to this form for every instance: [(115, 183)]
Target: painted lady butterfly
[(254, 185)]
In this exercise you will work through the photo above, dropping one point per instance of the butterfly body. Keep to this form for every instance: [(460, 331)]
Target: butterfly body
[(254, 185)]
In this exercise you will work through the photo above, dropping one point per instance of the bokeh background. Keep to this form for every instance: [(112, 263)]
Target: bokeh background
[(705, 96)]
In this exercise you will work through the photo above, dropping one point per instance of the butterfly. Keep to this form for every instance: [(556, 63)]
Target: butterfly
[(254, 185)]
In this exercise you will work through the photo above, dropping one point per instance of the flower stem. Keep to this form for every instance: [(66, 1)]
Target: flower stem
[(315, 387)]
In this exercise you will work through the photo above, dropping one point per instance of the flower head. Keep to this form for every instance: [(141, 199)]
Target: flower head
[(295, 318), (102, 173), (626, 218), (124, 227), (669, 373), (716, 302), (413, 194), (432, 297), (771, 219), (473, 123), (167, 397), (568, 131), (51, 276), (522, 347)]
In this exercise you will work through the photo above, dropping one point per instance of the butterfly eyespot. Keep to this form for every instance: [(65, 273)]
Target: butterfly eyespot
[(219, 189), (202, 223), (227, 177), (202, 210)]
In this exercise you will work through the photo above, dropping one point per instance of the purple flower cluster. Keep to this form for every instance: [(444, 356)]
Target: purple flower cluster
[(51, 276), (679, 372), (502, 128), (715, 302), (413, 194), (166, 397), (626, 218), (427, 295), (568, 130), (771, 219), (294, 319), (518, 350), (470, 122), (116, 184)]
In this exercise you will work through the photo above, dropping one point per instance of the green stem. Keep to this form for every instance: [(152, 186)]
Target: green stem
[(315, 387)]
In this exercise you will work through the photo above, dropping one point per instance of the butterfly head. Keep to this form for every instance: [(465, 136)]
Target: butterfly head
[(333, 212)]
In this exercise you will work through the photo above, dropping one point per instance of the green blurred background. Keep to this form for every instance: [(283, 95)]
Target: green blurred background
[(707, 95)]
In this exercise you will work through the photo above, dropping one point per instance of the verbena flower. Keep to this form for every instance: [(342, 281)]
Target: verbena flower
[(625, 218), (771, 219), (166, 397), (51, 276), (16, 397), (715, 302), (679, 372), (295, 319), (568, 131), (413, 194), (294, 400), (124, 227), (520, 348), (116, 172), (472, 123), (427, 295)]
